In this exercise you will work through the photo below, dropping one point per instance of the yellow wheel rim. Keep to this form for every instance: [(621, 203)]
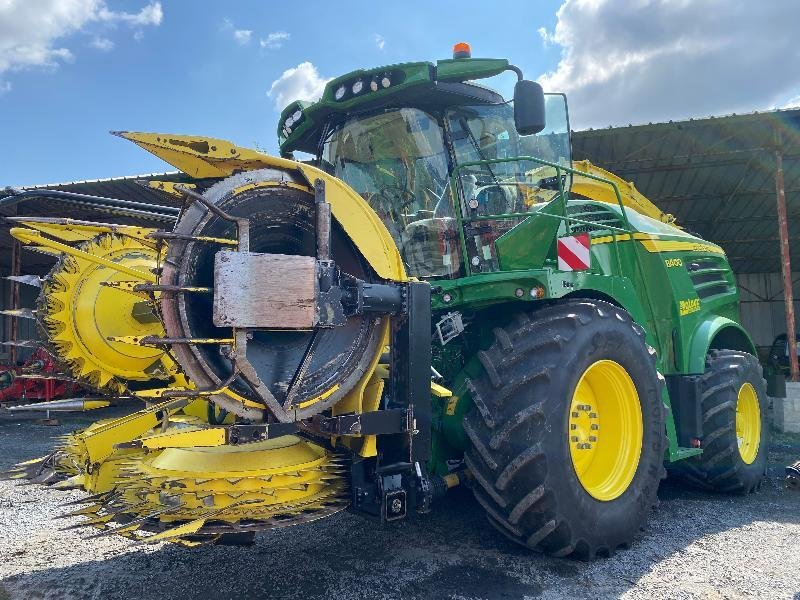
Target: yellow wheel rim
[(748, 423), (605, 430)]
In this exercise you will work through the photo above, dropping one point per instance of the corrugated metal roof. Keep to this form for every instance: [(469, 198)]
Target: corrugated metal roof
[(716, 175), (123, 188)]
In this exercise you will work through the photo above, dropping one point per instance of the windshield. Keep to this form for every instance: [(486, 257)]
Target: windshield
[(504, 184), (487, 133), (398, 163)]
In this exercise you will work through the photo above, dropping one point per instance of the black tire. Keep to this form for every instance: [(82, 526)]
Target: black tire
[(518, 451), (721, 467)]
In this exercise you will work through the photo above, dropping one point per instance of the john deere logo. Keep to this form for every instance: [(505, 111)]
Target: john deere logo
[(686, 307)]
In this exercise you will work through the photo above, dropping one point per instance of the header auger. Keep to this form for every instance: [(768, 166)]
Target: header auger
[(440, 296)]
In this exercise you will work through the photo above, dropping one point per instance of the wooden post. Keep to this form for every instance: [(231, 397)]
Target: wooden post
[(786, 266)]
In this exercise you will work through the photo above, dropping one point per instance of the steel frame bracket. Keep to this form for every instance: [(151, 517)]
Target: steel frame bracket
[(246, 433), (379, 422)]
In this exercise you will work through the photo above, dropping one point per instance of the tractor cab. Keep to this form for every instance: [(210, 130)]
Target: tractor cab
[(448, 165)]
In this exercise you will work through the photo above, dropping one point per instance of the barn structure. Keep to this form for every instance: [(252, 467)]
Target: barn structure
[(734, 180)]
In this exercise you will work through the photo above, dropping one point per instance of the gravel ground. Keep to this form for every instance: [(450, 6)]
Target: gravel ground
[(696, 546)]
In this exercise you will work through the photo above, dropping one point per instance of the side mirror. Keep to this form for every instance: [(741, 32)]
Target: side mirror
[(528, 107)]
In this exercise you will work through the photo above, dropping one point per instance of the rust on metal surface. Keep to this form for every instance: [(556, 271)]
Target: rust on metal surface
[(323, 224), (154, 287), (170, 235), (786, 266), (242, 224)]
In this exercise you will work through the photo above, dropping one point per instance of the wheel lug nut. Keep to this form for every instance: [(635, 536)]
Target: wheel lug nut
[(592, 438), (595, 426), (574, 438), (574, 413), (592, 415), (573, 426)]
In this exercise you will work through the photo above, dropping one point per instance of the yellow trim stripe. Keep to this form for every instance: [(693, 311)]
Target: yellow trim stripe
[(623, 237), (260, 184), (652, 243), (322, 396), (676, 246)]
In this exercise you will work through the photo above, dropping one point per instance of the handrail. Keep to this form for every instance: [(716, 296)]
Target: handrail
[(560, 169), (454, 179)]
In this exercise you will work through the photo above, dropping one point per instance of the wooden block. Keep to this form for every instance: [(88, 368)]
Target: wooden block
[(271, 291)]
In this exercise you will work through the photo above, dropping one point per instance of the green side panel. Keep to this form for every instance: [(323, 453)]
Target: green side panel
[(477, 291), (530, 243), (694, 361), (459, 405), (464, 69), (441, 452), (449, 439), (692, 297), (672, 434)]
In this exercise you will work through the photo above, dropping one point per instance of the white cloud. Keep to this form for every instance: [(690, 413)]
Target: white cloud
[(242, 36), (274, 40), (379, 40), (626, 61), (152, 14), (102, 43), (32, 33), (792, 103), (302, 82)]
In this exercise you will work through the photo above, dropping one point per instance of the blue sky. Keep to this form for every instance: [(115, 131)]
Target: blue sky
[(192, 74), (71, 70)]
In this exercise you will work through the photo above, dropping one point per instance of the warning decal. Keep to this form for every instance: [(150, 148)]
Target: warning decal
[(573, 252)]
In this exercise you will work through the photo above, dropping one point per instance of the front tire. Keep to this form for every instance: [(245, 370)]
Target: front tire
[(553, 383), (735, 440)]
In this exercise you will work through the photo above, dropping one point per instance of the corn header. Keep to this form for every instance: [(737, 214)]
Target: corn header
[(441, 296)]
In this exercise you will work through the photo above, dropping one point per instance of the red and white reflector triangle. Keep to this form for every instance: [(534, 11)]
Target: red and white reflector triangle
[(573, 252)]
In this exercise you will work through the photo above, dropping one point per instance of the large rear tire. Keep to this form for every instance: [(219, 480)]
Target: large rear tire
[(567, 435), (735, 440)]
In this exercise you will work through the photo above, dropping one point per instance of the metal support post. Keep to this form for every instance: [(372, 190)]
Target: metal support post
[(13, 297), (786, 266)]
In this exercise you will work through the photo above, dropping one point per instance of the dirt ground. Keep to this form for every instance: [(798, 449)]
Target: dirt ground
[(696, 545)]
